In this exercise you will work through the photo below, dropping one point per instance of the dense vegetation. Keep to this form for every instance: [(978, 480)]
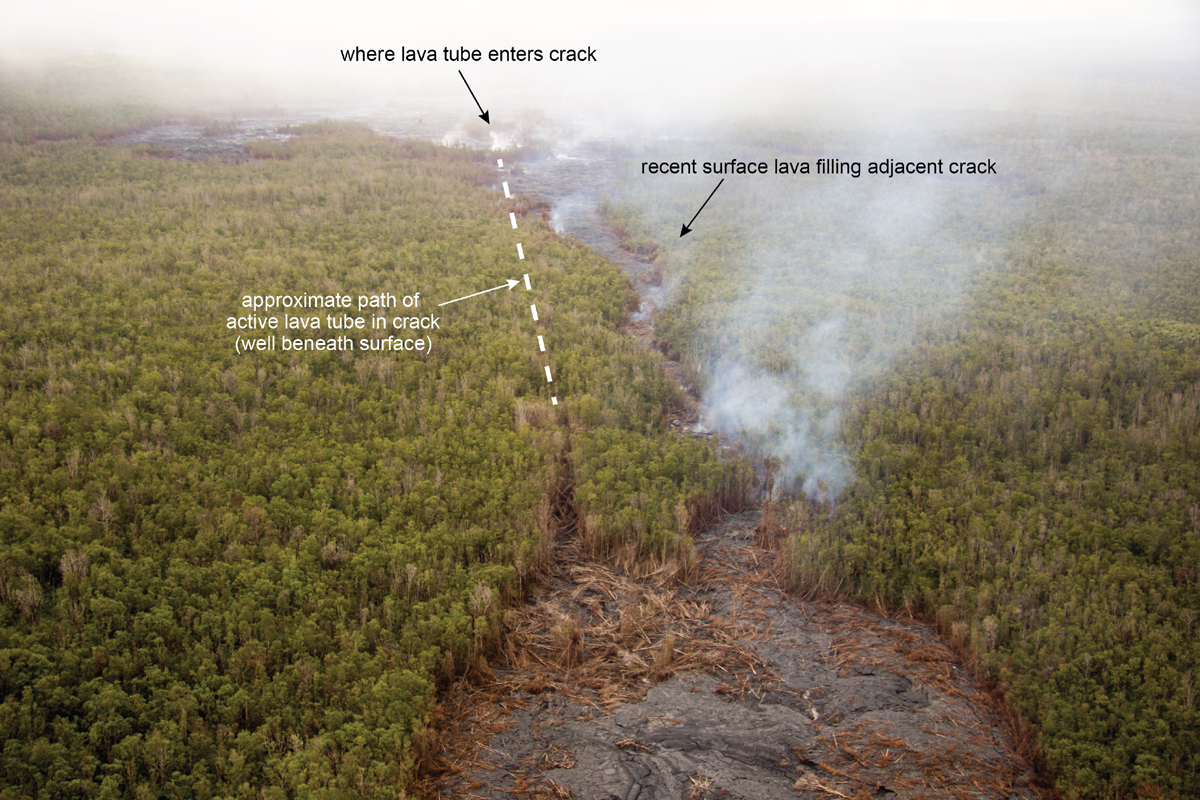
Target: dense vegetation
[(245, 575), (94, 97), (1011, 370)]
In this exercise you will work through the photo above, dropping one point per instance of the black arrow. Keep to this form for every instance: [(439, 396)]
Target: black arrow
[(687, 228), (484, 116)]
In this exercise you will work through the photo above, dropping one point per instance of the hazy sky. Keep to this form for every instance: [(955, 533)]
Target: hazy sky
[(284, 28), (663, 57)]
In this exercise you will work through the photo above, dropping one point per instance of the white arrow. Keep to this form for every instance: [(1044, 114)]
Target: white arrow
[(511, 283)]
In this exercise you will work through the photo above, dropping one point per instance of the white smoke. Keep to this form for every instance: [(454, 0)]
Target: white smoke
[(567, 209), (502, 140), (795, 417), (844, 277)]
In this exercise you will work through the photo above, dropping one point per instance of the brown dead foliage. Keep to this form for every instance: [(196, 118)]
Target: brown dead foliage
[(610, 634), (600, 637), (947, 768)]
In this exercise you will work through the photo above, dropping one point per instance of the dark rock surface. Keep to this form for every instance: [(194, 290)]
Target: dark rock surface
[(800, 700)]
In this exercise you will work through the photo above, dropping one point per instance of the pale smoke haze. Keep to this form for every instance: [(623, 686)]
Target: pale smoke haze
[(800, 429), (658, 65)]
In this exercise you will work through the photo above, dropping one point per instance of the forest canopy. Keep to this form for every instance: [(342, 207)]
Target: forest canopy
[(245, 575)]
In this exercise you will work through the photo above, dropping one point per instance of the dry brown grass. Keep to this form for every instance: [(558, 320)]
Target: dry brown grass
[(601, 637)]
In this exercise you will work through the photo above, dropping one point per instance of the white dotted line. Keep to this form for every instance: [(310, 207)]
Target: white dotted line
[(512, 218)]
